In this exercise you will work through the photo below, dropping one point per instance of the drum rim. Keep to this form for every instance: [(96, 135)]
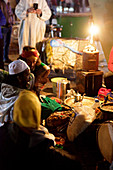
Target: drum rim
[(103, 110)]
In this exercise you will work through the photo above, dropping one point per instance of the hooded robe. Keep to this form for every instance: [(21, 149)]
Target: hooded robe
[(32, 28)]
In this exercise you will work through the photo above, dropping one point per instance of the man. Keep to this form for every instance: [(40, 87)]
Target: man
[(2, 22), (6, 28), (40, 70), (25, 144), (32, 25), (17, 80)]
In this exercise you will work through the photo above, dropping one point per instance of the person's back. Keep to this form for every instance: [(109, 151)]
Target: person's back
[(25, 144)]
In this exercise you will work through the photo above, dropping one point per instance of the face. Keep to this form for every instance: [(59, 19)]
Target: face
[(24, 78), (32, 63)]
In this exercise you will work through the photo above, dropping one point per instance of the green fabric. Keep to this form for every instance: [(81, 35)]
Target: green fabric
[(49, 106), (42, 64)]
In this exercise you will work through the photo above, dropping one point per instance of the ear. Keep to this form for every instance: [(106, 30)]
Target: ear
[(19, 79)]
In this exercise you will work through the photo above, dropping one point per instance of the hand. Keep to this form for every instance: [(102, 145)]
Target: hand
[(30, 10), (38, 11)]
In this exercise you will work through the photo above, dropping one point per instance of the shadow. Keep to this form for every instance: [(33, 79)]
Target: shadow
[(48, 90), (51, 95)]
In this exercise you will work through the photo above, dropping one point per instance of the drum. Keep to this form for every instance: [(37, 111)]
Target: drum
[(105, 140)]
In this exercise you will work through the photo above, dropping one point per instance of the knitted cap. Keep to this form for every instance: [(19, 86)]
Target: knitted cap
[(27, 110), (17, 66), (32, 52)]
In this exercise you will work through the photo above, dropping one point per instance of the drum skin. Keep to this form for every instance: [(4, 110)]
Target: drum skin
[(105, 140)]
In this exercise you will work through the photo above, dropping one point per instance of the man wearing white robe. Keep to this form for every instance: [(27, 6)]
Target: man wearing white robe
[(32, 22)]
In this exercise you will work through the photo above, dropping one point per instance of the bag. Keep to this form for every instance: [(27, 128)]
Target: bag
[(110, 96), (79, 121), (102, 93)]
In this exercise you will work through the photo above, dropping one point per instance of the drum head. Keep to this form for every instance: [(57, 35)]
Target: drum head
[(105, 140)]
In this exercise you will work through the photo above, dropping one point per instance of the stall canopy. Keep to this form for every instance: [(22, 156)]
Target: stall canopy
[(102, 11)]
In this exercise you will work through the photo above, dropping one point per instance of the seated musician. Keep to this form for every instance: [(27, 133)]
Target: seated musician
[(40, 70)]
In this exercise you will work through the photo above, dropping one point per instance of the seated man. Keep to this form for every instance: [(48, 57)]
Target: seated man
[(108, 77), (25, 144), (18, 78), (39, 69)]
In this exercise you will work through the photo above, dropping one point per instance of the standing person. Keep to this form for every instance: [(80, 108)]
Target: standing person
[(6, 28), (54, 5), (32, 25), (76, 5), (2, 22)]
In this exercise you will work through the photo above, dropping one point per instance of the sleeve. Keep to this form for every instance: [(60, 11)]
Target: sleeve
[(46, 12), (110, 63), (20, 10)]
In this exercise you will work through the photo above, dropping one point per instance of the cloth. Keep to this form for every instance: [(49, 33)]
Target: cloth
[(110, 62), (10, 13), (17, 66), (32, 28), (51, 104), (35, 136), (27, 110), (1, 54), (9, 94), (27, 151), (6, 26), (22, 150), (79, 121), (6, 32), (2, 22)]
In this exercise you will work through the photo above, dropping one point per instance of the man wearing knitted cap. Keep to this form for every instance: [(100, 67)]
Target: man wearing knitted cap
[(18, 79), (19, 74)]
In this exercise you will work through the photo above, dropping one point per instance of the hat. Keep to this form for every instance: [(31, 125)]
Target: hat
[(17, 66), (31, 52), (27, 110)]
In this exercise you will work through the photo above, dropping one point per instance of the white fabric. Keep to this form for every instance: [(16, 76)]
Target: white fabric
[(17, 66), (80, 121), (47, 134), (32, 28), (8, 96)]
